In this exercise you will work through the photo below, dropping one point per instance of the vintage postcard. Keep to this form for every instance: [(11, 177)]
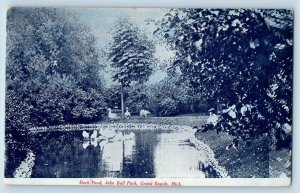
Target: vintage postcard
[(148, 96)]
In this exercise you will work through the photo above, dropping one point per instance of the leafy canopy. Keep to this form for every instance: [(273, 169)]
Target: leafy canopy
[(131, 53), (240, 59)]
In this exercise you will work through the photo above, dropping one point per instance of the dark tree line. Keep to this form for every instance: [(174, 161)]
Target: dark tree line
[(52, 71), (169, 97)]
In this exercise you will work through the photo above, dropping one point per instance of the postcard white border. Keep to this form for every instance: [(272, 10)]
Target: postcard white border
[(156, 3), (151, 181)]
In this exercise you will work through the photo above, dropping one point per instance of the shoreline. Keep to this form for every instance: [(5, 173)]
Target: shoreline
[(167, 123), (117, 126), (240, 162), (255, 161)]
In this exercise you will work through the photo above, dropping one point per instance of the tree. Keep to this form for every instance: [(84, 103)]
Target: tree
[(52, 71), (171, 96), (131, 54), (241, 60), (137, 98)]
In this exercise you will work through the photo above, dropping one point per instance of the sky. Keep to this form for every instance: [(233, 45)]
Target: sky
[(101, 21)]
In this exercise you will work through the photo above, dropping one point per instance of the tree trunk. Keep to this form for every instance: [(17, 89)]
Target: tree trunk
[(122, 100)]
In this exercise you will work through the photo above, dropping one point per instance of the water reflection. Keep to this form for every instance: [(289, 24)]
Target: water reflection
[(112, 157), (61, 155), (113, 153), (116, 147), (175, 157)]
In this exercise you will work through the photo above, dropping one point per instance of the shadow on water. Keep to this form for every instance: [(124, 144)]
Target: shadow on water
[(62, 155), (141, 165), (145, 154)]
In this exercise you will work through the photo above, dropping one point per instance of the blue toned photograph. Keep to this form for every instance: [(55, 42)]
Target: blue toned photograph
[(148, 93)]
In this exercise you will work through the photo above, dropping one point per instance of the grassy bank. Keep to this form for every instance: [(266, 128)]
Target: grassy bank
[(240, 162), (177, 120)]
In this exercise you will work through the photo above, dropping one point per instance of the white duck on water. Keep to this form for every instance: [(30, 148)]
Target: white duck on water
[(85, 135), (92, 139), (94, 135)]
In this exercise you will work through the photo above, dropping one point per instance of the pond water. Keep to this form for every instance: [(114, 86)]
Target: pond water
[(125, 154)]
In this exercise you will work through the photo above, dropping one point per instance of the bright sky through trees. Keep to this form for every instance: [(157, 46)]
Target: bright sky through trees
[(102, 21)]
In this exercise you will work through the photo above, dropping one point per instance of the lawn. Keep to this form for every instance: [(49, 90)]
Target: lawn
[(191, 120)]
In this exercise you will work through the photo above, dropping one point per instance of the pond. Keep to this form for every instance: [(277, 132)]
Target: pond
[(136, 153)]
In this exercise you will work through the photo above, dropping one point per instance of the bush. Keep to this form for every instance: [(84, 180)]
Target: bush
[(166, 107)]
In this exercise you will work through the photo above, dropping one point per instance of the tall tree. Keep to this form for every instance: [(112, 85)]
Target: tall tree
[(240, 59), (131, 55), (52, 70)]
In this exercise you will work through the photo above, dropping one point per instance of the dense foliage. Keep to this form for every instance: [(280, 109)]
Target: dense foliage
[(168, 97), (51, 58), (172, 96), (242, 61), (131, 55)]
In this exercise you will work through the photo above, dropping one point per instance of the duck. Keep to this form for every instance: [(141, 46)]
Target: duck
[(112, 116), (85, 144), (94, 134), (144, 113), (94, 143), (85, 135), (127, 113)]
